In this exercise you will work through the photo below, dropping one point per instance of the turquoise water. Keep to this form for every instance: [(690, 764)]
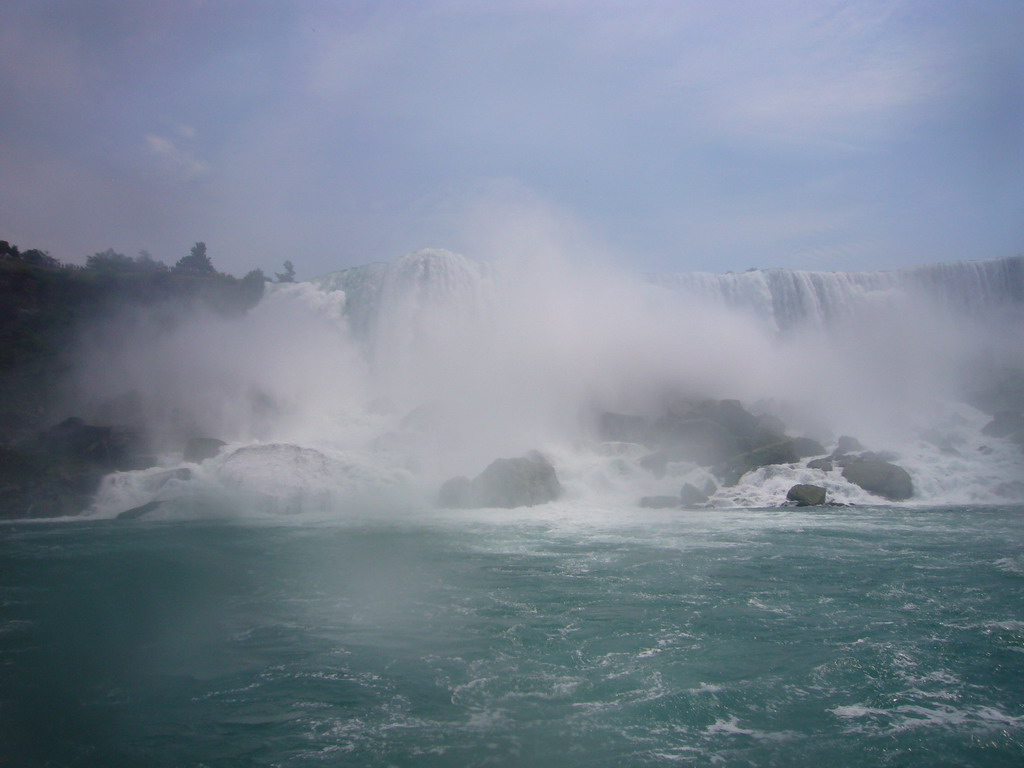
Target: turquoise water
[(845, 637)]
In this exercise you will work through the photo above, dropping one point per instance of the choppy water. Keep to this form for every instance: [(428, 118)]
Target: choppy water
[(846, 637)]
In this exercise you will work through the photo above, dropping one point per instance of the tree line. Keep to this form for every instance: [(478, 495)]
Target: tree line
[(196, 263)]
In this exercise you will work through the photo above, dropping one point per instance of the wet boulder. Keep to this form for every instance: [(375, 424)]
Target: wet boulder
[(622, 428), (781, 452), (199, 449), (456, 493), (656, 463), (1004, 424), (58, 472), (879, 477), (807, 446), (845, 445), (806, 495), (1009, 425), (140, 511), (823, 464), (521, 482), (691, 495), (698, 439), (103, 447)]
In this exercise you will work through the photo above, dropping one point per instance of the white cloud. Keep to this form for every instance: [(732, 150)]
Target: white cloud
[(175, 160)]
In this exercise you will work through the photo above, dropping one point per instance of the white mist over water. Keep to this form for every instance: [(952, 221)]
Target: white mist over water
[(373, 385)]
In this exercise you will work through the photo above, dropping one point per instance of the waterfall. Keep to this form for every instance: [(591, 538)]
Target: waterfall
[(785, 299)]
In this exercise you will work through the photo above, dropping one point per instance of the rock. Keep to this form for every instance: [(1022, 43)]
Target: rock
[(879, 477), (731, 471), (522, 482), (57, 472), (823, 464), (106, 447), (456, 493), (506, 483), (846, 444), (771, 423), (656, 463), (691, 495), (806, 495), (806, 446), (182, 473), (660, 502), (700, 440), (199, 449), (944, 442), (710, 489), (734, 417), (623, 428), (1009, 425), (136, 512), (1004, 424)]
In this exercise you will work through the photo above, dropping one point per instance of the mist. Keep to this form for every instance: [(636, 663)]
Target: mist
[(438, 363)]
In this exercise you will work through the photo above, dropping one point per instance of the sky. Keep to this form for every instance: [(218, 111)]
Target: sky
[(668, 136)]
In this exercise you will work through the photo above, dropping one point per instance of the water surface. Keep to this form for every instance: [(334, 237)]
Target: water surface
[(873, 636)]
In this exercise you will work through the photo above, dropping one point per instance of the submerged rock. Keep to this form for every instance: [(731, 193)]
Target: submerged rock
[(806, 495), (822, 464), (507, 483), (136, 512), (879, 477)]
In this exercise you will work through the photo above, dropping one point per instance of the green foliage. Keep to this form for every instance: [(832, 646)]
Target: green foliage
[(112, 261), (45, 306), (196, 263), (33, 256), (288, 276)]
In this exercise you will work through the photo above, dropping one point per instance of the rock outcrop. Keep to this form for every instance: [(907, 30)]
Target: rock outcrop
[(57, 473)]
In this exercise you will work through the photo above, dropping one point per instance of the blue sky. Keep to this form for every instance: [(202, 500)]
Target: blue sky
[(670, 136)]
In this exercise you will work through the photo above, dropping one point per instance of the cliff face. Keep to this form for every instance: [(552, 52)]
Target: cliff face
[(44, 310)]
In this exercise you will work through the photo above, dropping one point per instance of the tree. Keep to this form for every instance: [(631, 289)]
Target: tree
[(9, 251), (109, 260), (196, 263), (145, 262), (39, 258), (288, 276), (33, 256)]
